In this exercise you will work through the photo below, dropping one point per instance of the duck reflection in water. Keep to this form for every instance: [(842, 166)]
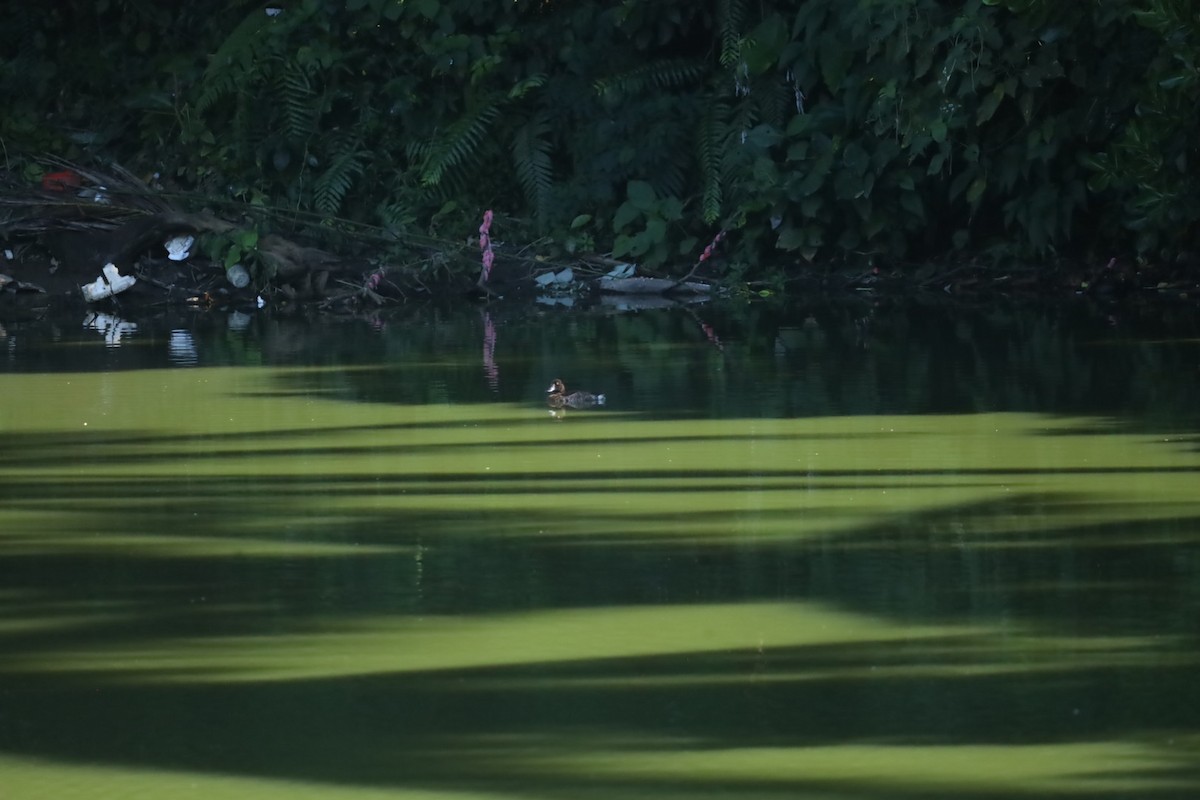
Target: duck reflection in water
[(558, 397)]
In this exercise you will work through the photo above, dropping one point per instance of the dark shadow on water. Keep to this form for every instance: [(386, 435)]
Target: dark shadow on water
[(438, 730), (457, 729)]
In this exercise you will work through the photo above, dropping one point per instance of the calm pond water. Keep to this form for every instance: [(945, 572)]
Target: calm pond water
[(851, 551)]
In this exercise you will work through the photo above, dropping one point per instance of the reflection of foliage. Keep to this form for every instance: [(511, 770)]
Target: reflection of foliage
[(819, 129)]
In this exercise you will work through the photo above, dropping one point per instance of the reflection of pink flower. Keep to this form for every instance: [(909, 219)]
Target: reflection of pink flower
[(490, 368)]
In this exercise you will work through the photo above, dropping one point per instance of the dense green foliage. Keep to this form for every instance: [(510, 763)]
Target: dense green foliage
[(815, 130)]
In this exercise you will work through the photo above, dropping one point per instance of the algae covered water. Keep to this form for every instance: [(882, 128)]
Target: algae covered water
[(848, 552)]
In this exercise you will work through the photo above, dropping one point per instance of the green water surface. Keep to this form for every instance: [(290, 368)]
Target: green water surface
[(842, 553)]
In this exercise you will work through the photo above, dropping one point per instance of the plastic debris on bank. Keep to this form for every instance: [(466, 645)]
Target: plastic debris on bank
[(179, 247), (110, 282)]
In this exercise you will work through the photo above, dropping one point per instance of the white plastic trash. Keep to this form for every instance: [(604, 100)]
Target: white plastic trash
[(96, 195), (238, 275), (560, 278), (110, 282), (621, 271), (179, 247)]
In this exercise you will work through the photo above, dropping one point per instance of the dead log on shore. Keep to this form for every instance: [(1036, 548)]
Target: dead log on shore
[(651, 286)]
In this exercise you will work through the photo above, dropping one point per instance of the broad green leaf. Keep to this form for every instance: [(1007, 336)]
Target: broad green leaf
[(641, 194), (580, 221), (813, 181), (937, 129), (765, 44), (856, 158), (626, 213), (976, 189), (959, 184), (989, 105), (790, 238), (911, 202), (640, 244), (671, 209), (622, 246), (797, 151), (847, 185), (763, 136), (1025, 103), (835, 58), (655, 233)]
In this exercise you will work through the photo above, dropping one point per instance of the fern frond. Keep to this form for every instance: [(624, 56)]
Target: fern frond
[(234, 60), (730, 14), (459, 144), (745, 115), (527, 85), (711, 151), (299, 100), (669, 74), (335, 182), (215, 88), (417, 150), (396, 216), (531, 159)]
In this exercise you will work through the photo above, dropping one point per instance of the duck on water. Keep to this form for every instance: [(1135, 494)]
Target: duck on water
[(558, 397)]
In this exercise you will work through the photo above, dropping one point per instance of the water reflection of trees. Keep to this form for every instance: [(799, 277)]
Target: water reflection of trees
[(830, 358)]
